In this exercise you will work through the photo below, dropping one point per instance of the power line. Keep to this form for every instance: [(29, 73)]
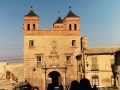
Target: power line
[(13, 56), (11, 60)]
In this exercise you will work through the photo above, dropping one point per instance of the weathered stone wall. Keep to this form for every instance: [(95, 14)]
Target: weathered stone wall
[(43, 45), (12, 71)]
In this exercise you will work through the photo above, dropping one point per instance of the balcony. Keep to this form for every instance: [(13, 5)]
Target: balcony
[(95, 67), (68, 61), (39, 64)]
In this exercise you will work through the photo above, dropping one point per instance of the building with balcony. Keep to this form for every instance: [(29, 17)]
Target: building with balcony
[(99, 61)]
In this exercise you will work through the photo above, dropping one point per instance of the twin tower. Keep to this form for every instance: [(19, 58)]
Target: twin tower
[(70, 22)]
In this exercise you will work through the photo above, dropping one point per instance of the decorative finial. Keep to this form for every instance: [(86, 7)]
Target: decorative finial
[(59, 13), (31, 7), (70, 7)]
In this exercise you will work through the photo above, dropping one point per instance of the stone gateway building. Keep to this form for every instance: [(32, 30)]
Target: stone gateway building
[(50, 55), (61, 55)]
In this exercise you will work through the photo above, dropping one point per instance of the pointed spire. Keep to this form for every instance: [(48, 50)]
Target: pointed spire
[(59, 20), (71, 14), (31, 13)]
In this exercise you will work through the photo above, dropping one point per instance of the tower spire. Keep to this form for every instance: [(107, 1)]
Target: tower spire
[(59, 14)]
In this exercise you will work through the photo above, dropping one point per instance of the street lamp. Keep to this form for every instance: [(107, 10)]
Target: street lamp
[(87, 64), (33, 69)]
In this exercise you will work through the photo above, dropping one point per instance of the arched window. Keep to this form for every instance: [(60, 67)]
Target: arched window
[(75, 26), (33, 26), (39, 60), (70, 27), (28, 26)]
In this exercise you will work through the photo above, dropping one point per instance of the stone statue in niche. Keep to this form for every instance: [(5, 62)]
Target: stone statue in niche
[(53, 54)]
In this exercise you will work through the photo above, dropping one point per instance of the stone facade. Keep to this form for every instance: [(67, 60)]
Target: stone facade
[(49, 52)]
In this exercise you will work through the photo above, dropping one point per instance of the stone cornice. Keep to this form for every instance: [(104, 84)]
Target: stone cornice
[(52, 33)]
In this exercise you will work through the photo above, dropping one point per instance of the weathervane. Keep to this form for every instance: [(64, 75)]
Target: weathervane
[(31, 7)]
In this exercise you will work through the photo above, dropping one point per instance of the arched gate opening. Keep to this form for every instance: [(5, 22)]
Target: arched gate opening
[(55, 76)]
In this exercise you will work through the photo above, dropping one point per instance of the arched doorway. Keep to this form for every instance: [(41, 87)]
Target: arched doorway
[(55, 78)]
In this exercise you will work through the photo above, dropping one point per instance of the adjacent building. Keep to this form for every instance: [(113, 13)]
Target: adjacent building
[(99, 65)]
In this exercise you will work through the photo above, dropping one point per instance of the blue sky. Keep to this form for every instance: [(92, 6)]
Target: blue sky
[(99, 21)]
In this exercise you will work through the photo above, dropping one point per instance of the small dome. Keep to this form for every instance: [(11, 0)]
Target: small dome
[(31, 13)]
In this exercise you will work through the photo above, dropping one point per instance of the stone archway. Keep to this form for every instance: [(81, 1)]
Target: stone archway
[(56, 78)]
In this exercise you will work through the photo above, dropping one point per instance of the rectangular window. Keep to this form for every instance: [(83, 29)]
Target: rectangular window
[(68, 59), (95, 80), (73, 42), (39, 60), (31, 43), (94, 64)]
